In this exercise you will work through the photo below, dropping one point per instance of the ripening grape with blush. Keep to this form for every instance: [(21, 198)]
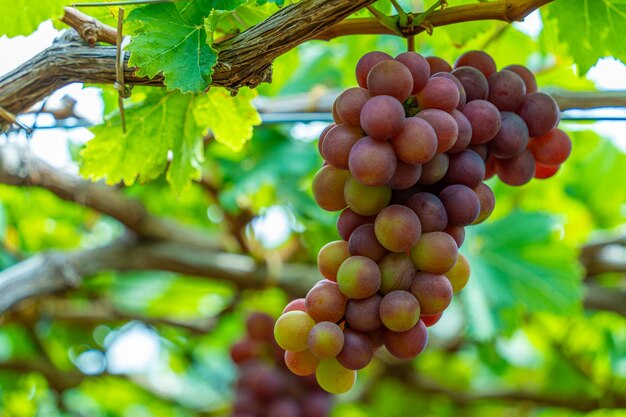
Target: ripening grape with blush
[(406, 163)]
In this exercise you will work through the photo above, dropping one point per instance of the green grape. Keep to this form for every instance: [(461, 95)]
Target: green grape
[(291, 330), (333, 377), (435, 252), (330, 258), (459, 274), (365, 200)]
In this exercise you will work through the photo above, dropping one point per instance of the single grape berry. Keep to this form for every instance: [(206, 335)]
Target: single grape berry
[(418, 66), (397, 228), (358, 277), (382, 117), (366, 63), (330, 257), (390, 78), (480, 60)]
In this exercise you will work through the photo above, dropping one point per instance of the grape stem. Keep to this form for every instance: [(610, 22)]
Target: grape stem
[(424, 15), (403, 18), (503, 10), (390, 22)]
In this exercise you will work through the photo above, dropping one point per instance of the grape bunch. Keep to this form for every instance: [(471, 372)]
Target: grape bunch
[(405, 163), (265, 388)]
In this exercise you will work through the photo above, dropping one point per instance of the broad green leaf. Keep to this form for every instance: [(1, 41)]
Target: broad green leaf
[(278, 2), (22, 17), (594, 176), (230, 119), (187, 153), (520, 264), (238, 20), (461, 33), (167, 122), (196, 10), (166, 42), (591, 29), (162, 123)]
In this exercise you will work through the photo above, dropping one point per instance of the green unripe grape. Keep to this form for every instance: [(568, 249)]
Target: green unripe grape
[(396, 272), (459, 274), (330, 258), (333, 377), (366, 200), (436, 253), (291, 330)]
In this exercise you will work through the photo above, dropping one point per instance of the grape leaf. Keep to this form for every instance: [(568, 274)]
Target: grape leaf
[(519, 264), (195, 11), (231, 119), (238, 20), (188, 153), (590, 29), (165, 42), (163, 122), (277, 2), (26, 15)]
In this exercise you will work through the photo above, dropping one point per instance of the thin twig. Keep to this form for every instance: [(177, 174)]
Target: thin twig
[(385, 20), (424, 15), (119, 68), (10, 117), (90, 29), (403, 17)]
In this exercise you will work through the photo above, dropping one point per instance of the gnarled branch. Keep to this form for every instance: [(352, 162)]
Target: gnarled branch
[(318, 103), (505, 10), (53, 272), (19, 166), (244, 60)]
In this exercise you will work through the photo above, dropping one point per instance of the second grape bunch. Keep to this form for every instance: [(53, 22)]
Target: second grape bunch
[(405, 161)]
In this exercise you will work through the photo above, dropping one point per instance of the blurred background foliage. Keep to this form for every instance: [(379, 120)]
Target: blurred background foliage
[(518, 341)]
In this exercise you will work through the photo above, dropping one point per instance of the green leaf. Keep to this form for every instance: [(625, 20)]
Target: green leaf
[(520, 265), (238, 20), (166, 42), (188, 153), (196, 10), (594, 176), (22, 17), (167, 122), (278, 2), (591, 29), (162, 123), (231, 119)]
